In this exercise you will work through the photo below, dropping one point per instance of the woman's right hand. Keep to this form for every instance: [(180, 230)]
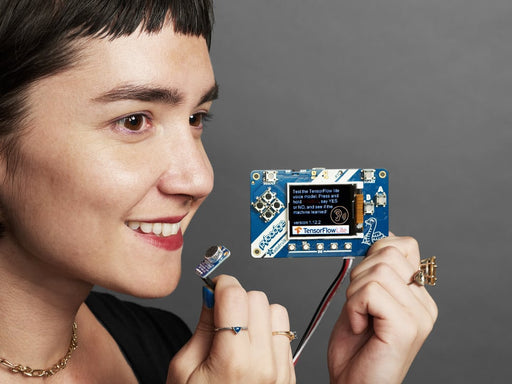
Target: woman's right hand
[(251, 356)]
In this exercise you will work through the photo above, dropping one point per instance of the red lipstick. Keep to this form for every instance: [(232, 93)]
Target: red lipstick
[(169, 243), (167, 235)]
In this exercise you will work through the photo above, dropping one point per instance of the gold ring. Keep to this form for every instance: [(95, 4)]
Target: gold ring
[(291, 335), (236, 330), (426, 273)]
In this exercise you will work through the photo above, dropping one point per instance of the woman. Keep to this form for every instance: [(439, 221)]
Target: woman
[(101, 113)]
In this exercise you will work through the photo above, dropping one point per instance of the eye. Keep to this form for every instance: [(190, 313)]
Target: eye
[(134, 123), (197, 119)]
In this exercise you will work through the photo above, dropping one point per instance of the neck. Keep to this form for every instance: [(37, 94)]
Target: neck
[(39, 305)]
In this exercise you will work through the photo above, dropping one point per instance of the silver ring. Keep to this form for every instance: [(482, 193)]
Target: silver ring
[(236, 330)]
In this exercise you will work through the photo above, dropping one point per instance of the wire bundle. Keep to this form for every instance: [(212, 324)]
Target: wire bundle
[(322, 307)]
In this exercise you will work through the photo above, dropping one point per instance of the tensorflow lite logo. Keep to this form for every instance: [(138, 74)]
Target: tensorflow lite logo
[(306, 230)]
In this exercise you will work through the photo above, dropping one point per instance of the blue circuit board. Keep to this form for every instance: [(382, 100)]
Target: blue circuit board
[(215, 256), (317, 212)]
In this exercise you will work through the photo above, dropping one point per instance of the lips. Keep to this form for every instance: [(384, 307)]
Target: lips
[(163, 233)]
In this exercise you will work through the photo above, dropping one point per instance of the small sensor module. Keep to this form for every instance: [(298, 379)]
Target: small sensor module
[(317, 212), (213, 257)]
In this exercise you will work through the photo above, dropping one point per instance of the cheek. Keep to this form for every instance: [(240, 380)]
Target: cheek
[(74, 191), (72, 212)]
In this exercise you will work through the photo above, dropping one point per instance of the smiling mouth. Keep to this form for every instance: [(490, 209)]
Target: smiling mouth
[(158, 229)]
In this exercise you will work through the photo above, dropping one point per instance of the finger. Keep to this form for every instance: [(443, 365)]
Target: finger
[(197, 349), (416, 298), (203, 331), (385, 275), (407, 245), (230, 310), (260, 330), (281, 344), (374, 301), (391, 255), (424, 297), (394, 331)]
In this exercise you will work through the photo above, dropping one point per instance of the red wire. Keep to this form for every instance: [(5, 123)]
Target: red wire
[(331, 294), (347, 263)]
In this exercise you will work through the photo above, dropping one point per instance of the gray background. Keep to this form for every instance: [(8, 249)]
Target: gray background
[(421, 87)]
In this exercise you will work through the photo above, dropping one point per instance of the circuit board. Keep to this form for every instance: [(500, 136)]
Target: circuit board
[(214, 256), (317, 212)]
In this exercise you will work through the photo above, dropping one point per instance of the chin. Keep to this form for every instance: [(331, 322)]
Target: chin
[(148, 287)]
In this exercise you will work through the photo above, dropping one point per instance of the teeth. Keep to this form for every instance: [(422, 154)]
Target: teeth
[(146, 227), (134, 225), (166, 229), (159, 229), (170, 229)]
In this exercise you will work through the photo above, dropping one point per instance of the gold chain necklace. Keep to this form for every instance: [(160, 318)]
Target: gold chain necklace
[(27, 371)]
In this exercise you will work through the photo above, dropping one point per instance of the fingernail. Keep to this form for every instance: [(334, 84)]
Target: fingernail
[(208, 297)]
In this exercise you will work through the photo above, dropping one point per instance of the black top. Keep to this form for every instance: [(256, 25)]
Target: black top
[(148, 337)]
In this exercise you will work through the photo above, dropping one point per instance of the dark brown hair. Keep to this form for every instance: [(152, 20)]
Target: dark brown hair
[(38, 39)]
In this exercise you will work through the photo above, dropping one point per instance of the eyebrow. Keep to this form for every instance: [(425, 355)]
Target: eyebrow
[(145, 93)]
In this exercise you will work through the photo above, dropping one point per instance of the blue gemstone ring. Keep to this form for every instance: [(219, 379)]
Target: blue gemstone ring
[(235, 330)]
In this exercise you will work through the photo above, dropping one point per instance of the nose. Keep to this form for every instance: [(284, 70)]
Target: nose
[(188, 171)]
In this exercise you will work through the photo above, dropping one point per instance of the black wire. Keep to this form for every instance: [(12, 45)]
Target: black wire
[(319, 308)]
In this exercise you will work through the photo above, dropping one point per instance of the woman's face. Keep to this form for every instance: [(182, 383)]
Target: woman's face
[(112, 167)]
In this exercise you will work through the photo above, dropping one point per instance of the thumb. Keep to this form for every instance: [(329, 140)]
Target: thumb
[(196, 351), (204, 328)]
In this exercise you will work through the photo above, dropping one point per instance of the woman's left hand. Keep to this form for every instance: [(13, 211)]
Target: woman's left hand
[(385, 319), (215, 354)]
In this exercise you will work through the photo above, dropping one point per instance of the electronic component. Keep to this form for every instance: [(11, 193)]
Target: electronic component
[(317, 212), (322, 308), (213, 257)]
